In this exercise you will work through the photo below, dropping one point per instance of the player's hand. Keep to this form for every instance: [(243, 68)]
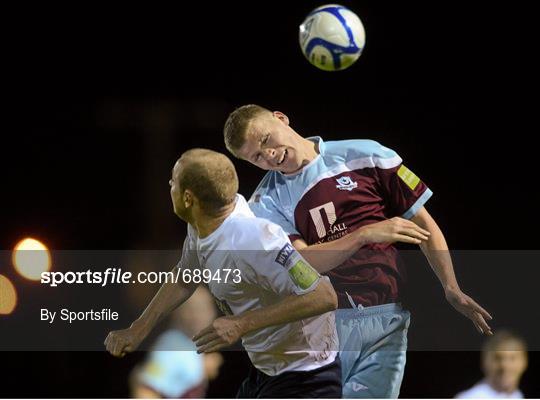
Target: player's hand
[(471, 309), (393, 230), (223, 332), (124, 341)]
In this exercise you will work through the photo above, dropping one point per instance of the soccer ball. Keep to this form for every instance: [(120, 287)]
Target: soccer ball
[(332, 37)]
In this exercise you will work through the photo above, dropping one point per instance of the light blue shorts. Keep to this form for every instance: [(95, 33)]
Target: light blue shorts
[(373, 344)]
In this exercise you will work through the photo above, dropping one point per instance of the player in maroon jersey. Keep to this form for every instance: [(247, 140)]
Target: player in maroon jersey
[(343, 204)]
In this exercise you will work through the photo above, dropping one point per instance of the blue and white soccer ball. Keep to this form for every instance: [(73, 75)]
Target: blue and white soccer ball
[(332, 37)]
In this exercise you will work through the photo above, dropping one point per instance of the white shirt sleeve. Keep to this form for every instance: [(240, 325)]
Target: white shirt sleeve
[(189, 259), (274, 263)]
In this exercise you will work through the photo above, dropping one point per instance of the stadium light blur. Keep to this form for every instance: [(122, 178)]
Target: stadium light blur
[(31, 258), (8, 296)]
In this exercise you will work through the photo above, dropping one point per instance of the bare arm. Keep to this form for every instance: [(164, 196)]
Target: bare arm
[(225, 331), (169, 296), (436, 251), (326, 256)]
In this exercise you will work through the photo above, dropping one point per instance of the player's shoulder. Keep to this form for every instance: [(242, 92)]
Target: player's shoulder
[(266, 195), (268, 183), (353, 149), (190, 241), (253, 233), (479, 391)]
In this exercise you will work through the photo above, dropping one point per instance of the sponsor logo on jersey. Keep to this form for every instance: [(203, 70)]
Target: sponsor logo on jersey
[(407, 176), (284, 254), (346, 183), (335, 230), (317, 217)]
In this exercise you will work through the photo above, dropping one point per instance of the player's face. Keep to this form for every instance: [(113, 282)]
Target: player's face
[(176, 194), (271, 144), (503, 368)]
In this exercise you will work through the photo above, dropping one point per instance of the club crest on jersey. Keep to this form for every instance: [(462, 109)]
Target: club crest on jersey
[(346, 183), (284, 254)]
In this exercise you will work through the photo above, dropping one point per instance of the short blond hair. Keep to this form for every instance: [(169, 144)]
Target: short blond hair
[(235, 128), (211, 177)]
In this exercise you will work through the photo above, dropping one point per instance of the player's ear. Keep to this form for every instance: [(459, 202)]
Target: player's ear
[(187, 198), (282, 117)]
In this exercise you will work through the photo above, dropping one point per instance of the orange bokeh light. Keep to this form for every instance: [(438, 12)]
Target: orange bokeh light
[(31, 258), (8, 296)]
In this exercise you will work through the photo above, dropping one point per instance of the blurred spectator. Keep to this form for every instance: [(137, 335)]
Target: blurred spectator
[(504, 360), (173, 369)]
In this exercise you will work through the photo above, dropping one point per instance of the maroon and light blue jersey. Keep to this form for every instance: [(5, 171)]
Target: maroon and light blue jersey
[(351, 183)]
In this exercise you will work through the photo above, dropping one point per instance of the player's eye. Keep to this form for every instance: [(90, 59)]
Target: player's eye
[(266, 138)]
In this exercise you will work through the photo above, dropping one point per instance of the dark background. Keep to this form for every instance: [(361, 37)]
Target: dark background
[(99, 103)]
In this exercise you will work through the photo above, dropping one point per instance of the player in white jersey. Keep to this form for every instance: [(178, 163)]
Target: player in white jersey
[(504, 361), (275, 302)]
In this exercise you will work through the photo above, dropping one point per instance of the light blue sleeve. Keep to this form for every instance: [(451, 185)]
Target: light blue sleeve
[(264, 206), (173, 367)]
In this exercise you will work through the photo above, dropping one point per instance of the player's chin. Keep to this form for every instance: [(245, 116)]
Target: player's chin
[(177, 212), (290, 167)]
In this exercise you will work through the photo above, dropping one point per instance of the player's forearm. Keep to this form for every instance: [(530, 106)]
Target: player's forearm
[(169, 296), (326, 256), (438, 256), (293, 308), (436, 251)]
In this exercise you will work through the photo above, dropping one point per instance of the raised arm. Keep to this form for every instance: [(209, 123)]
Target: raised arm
[(225, 331), (168, 297), (436, 251)]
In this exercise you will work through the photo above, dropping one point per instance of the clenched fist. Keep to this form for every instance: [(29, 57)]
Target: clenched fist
[(124, 341)]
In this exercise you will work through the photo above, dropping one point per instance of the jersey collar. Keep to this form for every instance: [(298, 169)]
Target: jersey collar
[(241, 208), (321, 147)]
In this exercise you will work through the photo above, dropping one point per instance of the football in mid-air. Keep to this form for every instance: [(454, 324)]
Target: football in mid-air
[(332, 37)]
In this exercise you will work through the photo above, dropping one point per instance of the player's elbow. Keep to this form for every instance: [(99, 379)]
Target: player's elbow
[(327, 295)]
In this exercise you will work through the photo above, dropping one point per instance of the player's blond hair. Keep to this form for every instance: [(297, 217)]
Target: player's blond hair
[(237, 123), (211, 177)]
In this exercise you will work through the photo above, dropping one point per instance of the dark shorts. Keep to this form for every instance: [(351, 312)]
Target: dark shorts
[(324, 382)]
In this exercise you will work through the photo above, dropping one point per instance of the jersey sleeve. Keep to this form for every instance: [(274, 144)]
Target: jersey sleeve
[(264, 206), (189, 259), (276, 265), (403, 191)]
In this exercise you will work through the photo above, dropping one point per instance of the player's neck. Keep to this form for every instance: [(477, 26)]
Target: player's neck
[(206, 224), (500, 388), (308, 152), (310, 149)]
